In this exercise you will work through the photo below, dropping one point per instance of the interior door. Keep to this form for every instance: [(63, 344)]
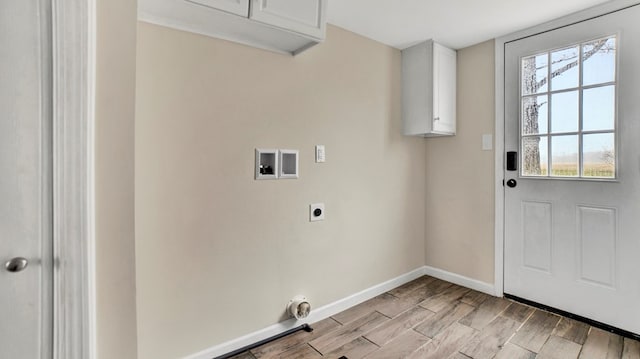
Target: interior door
[(572, 205), (25, 180)]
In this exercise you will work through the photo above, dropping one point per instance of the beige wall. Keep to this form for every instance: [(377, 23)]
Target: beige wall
[(218, 254), (460, 176), (114, 182)]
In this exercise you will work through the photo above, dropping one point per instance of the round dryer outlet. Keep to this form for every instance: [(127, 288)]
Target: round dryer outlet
[(299, 307)]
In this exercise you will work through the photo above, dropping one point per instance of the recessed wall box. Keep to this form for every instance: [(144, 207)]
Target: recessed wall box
[(266, 164), (288, 164)]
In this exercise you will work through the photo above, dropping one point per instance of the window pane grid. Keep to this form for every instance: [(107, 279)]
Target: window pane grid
[(567, 127)]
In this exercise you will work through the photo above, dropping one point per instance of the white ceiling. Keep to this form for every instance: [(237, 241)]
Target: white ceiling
[(454, 23)]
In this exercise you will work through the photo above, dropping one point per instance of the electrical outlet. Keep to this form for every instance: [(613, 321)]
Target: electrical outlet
[(316, 212)]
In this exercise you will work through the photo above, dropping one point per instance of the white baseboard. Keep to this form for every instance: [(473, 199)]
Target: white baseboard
[(340, 305), (460, 280), (315, 316)]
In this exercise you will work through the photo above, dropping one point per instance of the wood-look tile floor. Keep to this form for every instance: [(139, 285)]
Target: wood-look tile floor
[(430, 318)]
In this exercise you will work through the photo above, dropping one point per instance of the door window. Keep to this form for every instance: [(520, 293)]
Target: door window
[(568, 111)]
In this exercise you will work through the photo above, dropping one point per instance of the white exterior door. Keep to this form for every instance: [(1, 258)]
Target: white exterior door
[(572, 206), (25, 180)]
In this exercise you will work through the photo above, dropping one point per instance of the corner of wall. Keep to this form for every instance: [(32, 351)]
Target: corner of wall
[(459, 200), (114, 179)]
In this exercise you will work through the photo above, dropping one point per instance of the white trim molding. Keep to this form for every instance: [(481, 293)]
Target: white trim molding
[(500, 43), (461, 280), (73, 46), (498, 276), (339, 306), (315, 316)]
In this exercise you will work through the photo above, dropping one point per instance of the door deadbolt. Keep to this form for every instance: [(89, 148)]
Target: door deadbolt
[(16, 264), (512, 161), (512, 183)]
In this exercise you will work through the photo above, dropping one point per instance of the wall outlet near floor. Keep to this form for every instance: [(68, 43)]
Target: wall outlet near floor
[(316, 212)]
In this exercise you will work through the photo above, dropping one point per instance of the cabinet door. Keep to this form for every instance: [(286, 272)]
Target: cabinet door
[(302, 16), (237, 7), (444, 89)]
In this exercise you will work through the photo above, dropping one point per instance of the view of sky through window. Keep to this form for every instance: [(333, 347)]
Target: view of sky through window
[(568, 111)]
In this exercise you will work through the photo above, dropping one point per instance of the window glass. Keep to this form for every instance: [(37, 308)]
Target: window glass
[(534, 74), (564, 156), (599, 155), (564, 112), (568, 111), (535, 156), (599, 61), (565, 68), (598, 108), (535, 109)]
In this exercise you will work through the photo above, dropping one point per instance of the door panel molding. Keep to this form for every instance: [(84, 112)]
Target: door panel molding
[(73, 44), (597, 244), (536, 218), (499, 159)]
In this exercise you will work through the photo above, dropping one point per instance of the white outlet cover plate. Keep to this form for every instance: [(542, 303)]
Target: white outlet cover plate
[(320, 154), (487, 142), (312, 208)]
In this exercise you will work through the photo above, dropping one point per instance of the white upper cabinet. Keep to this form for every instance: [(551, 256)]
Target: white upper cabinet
[(237, 7), (429, 90), (302, 16), (285, 26)]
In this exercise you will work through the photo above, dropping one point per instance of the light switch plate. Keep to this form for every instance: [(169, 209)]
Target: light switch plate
[(320, 154), (487, 142)]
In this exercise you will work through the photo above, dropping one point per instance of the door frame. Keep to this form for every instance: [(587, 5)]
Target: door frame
[(500, 43), (73, 73)]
